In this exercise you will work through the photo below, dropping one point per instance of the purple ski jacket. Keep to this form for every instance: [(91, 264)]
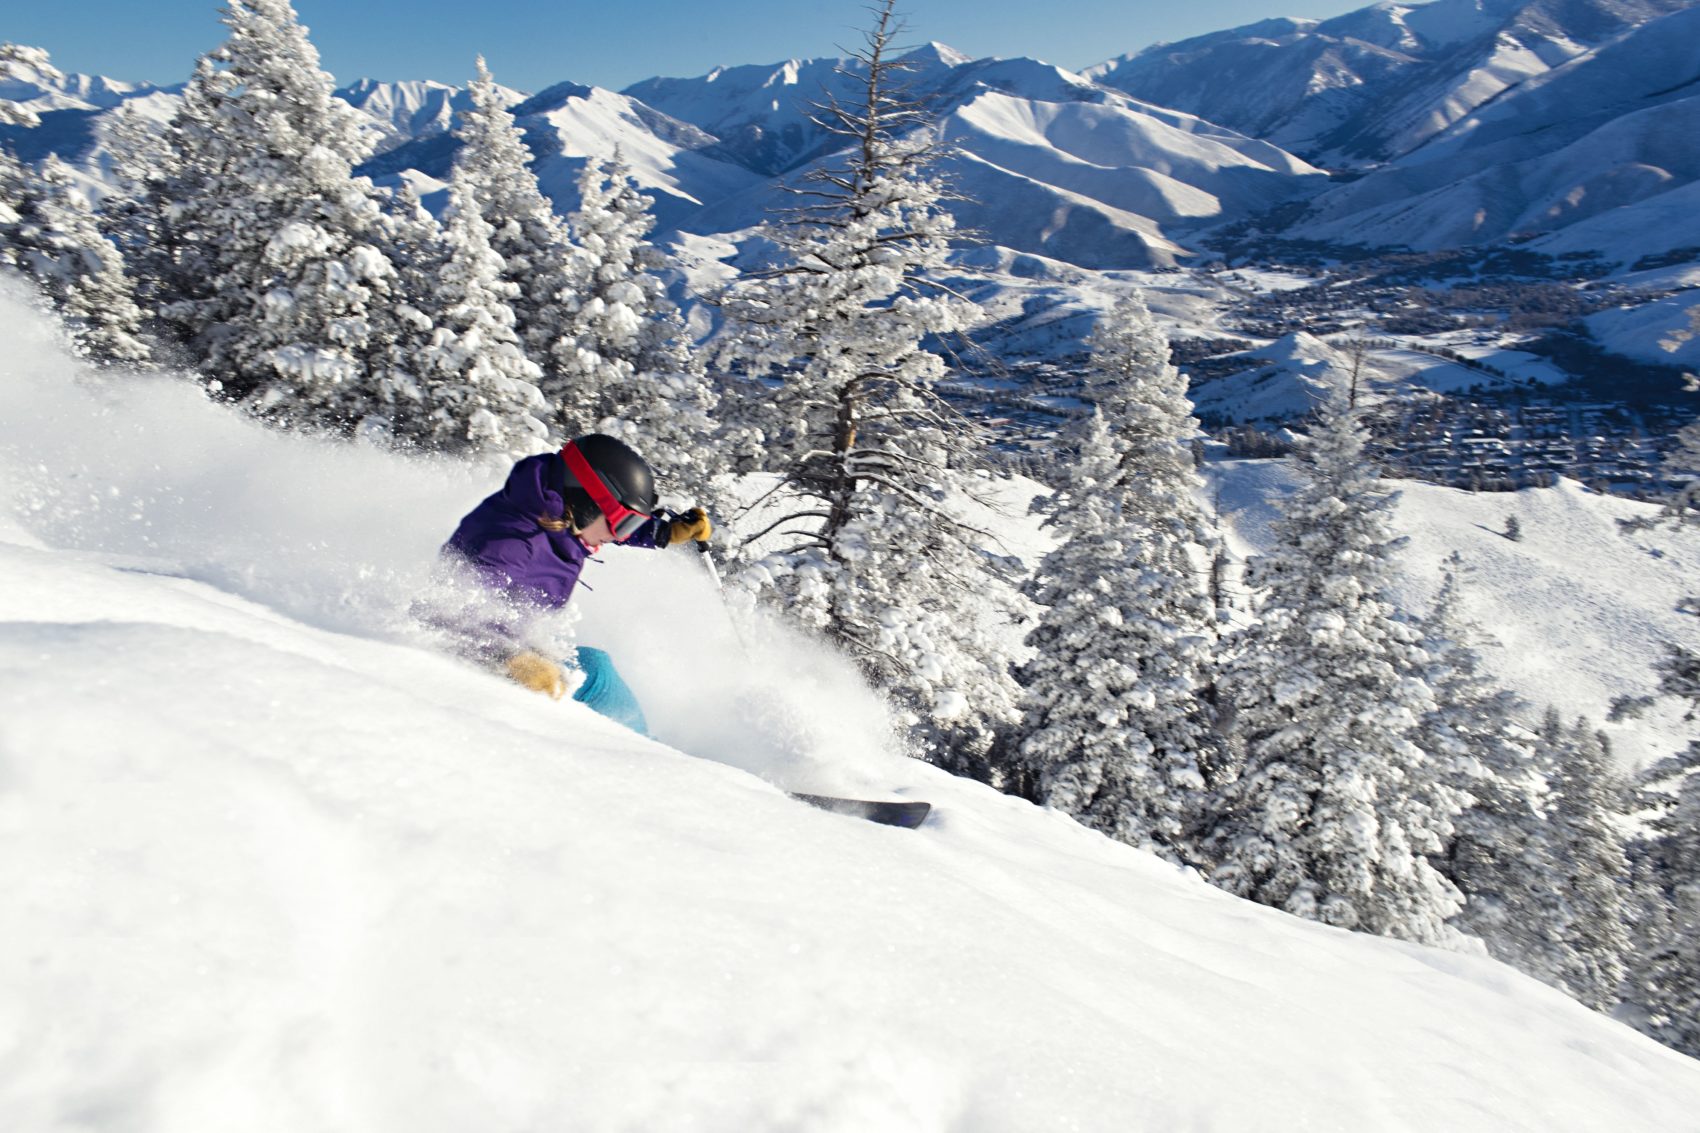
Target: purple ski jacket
[(510, 551)]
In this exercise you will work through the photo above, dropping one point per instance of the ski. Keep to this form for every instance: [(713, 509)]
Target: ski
[(907, 814)]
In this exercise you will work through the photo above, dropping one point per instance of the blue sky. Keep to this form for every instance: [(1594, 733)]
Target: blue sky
[(611, 43)]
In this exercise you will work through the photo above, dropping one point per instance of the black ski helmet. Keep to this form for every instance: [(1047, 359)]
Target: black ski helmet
[(625, 473)]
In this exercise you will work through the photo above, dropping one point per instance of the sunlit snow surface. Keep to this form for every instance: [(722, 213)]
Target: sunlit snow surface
[(271, 864)]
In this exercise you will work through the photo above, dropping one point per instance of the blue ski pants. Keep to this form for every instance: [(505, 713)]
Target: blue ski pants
[(606, 692)]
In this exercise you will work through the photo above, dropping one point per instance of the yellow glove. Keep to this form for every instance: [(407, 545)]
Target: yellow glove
[(537, 673), (692, 525)]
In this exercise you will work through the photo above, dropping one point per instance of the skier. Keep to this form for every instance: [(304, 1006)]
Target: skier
[(528, 543)]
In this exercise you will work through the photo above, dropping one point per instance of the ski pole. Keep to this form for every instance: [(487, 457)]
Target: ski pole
[(714, 573)]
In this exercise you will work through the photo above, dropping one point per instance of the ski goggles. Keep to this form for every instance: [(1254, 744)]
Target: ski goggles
[(622, 520)]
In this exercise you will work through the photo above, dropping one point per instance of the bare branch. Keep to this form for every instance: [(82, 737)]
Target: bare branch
[(787, 518)]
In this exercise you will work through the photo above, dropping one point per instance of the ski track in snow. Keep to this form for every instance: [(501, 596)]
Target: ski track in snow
[(270, 864)]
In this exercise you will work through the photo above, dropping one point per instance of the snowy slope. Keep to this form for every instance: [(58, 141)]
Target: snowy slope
[(1665, 226), (1166, 166), (1283, 380), (1277, 79), (1652, 65), (1628, 162), (271, 865), (1665, 331)]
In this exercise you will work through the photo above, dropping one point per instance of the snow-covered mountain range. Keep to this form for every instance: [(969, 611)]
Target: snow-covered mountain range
[(1561, 127), (1376, 83), (1611, 130), (409, 111), (1477, 121)]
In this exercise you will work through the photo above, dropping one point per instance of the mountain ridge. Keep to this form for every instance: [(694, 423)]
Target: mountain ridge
[(1433, 85)]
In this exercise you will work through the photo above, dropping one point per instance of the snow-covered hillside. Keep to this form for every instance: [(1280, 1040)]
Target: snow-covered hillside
[(1283, 380), (1571, 614), (273, 863)]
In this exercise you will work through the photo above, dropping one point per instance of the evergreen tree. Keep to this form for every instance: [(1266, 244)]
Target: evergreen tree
[(1116, 699), (624, 366), (494, 168), (16, 195), (1663, 981), (277, 248), (477, 388), (1683, 463), (12, 181), (1501, 855), (624, 363), (871, 461), (141, 220), (1585, 808), (417, 247), (16, 113), (53, 238), (1335, 810), (13, 178)]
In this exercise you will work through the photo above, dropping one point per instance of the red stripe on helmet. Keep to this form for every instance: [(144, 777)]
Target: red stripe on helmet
[(616, 512)]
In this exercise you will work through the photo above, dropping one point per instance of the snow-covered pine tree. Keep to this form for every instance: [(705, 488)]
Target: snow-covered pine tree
[(1684, 463), (1663, 981), (1334, 810), (1118, 725), (48, 231), (53, 238), (493, 165), (15, 190), (277, 245), (415, 244), (12, 178), (1663, 978), (140, 219), (185, 231), (34, 59), (477, 388), (624, 365), (873, 547), (1584, 808), (1500, 856)]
